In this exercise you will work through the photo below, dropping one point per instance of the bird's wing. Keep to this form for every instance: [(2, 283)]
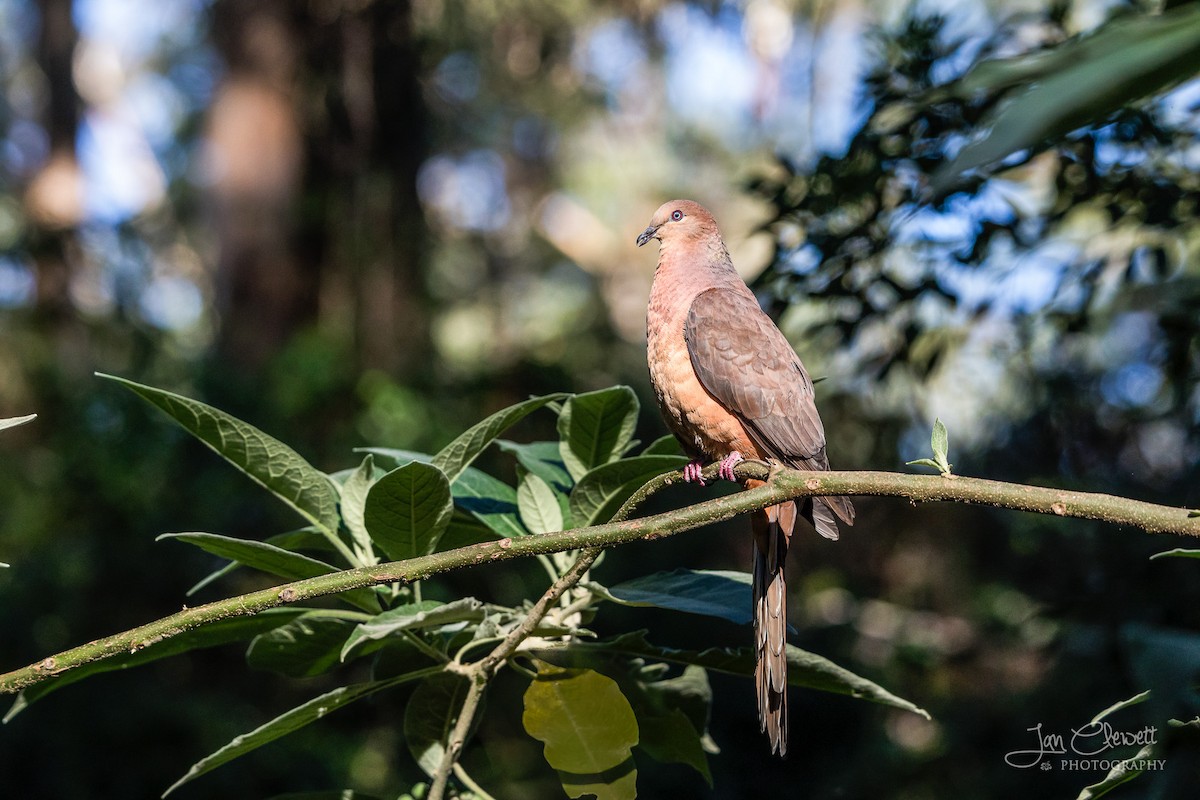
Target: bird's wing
[(743, 361)]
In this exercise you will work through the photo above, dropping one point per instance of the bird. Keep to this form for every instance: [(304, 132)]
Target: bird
[(730, 387)]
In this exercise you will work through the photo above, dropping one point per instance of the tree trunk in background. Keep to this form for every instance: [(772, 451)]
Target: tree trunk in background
[(53, 198), (385, 116), (267, 286), (314, 139)]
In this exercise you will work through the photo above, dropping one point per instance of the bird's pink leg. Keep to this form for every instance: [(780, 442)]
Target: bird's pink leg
[(691, 472), (727, 464)]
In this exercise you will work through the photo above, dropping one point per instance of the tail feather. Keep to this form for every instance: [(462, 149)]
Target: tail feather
[(822, 511), (772, 529), (822, 518)]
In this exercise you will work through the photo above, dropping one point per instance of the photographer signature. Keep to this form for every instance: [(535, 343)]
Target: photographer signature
[(1092, 739)]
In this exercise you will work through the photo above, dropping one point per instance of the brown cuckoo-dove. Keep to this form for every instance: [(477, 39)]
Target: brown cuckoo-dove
[(730, 387)]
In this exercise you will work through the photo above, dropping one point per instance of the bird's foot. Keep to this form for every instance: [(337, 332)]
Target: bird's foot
[(691, 472), (725, 470)]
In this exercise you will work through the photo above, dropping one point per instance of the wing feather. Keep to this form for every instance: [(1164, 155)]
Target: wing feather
[(744, 361)]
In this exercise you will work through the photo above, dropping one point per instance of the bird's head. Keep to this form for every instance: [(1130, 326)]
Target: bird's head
[(679, 220)]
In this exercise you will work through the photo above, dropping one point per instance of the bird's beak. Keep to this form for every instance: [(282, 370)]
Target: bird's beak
[(647, 235)]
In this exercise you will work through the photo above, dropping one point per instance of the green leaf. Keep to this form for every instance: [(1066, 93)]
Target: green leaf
[(257, 555), (408, 509), (266, 460), (673, 719), (588, 729), (491, 501), (1140, 697), (672, 713), (308, 646), (301, 539), (393, 657), (664, 446), (538, 505), (426, 614), (1077, 83), (939, 441), (1126, 770), (430, 716), (354, 501), (292, 721), (601, 492), (464, 530), (804, 668), (457, 456), (307, 538), (212, 577), (669, 738), (713, 593), (690, 693), (542, 459), (12, 422), (596, 428), (397, 456), (226, 631), (272, 560), (1178, 552)]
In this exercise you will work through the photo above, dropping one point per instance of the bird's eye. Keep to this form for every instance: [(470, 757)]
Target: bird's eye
[(677, 215)]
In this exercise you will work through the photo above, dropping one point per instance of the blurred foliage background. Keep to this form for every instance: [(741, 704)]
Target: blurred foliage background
[(357, 222)]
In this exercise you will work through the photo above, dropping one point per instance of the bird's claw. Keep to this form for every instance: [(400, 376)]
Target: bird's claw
[(725, 470), (692, 472)]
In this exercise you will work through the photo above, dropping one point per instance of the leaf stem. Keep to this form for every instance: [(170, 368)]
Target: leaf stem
[(549, 565), (416, 641), (470, 783), (574, 608), (351, 557)]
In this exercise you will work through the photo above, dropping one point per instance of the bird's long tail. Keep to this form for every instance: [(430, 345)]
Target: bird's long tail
[(773, 528)]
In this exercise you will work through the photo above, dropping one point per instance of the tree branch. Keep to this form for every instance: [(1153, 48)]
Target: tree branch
[(785, 484), (1122, 511)]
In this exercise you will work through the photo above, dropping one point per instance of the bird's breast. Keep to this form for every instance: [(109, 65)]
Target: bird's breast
[(704, 426)]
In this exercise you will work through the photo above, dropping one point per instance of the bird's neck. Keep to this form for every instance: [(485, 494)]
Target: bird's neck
[(680, 276), (695, 268)]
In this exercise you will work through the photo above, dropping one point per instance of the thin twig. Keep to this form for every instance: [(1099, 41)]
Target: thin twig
[(491, 662), (480, 673), (458, 736)]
